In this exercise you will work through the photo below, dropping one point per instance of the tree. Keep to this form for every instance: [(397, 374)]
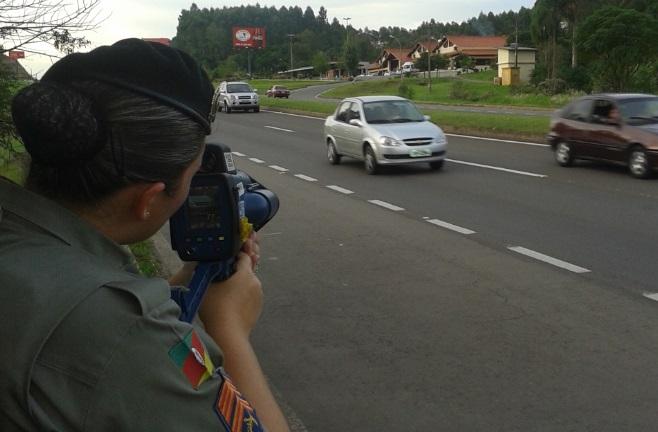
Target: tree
[(25, 23), (437, 61), (617, 42), (320, 63), (350, 59)]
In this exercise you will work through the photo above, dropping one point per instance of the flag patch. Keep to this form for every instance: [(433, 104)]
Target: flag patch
[(191, 357), (234, 410)]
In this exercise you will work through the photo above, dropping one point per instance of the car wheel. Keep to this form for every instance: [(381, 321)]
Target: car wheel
[(638, 163), (332, 154), (436, 165), (564, 154), (370, 161), (227, 108)]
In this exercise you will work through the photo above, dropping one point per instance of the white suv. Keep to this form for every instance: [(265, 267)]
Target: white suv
[(235, 95)]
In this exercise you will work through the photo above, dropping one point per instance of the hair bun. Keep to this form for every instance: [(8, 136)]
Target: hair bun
[(58, 124)]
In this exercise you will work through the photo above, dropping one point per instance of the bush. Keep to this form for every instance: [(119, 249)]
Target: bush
[(539, 74), (405, 90), (577, 78), (458, 90), (645, 80), (552, 86)]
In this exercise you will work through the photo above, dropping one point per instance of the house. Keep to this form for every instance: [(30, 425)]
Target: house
[(515, 64), (482, 49), (392, 59), (423, 47)]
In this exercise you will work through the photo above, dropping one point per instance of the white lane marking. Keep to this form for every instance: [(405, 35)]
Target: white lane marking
[(297, 115), (280, 129), (450, 226), (499, 140), (278, 168), (256, 160), (651, 296), (340, 189), (548, 259), (239, 154), (525, 173), (385, 205), (305, 177)]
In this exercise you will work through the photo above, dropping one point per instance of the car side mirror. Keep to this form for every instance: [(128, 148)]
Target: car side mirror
[(356, 122), (427, 118)]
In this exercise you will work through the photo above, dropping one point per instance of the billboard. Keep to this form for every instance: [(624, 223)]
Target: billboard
[(248, 37), (15, 55)]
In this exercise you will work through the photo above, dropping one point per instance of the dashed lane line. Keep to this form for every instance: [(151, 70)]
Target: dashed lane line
[(499, 140), (280, 129), (386, 205), (305, 177), (491, 167), (548, 259), (278, 168), (239, 154), (340, 189), (651, 296), (451, 227), (256, 160)]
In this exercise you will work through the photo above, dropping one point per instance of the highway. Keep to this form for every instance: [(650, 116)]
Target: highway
[(501, 293)]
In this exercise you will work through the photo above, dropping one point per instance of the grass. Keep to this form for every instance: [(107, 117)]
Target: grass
[(468, 89), (261, 85), (491, 125)]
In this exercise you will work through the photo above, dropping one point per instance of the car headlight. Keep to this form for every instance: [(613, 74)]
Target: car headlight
[(256, 98), (389, 142), (440, 139), (234, 97)]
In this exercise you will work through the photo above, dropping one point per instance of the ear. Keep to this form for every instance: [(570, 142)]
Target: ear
[(146, 198)]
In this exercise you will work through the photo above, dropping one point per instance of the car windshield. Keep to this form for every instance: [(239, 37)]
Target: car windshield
[(640, 111), (391, 111), (279, 88), (238, 88)]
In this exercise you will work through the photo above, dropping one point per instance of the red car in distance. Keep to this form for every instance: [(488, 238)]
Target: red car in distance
[(278, 91)]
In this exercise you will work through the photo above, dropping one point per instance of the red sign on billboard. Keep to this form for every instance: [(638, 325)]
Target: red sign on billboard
[(15, 55), (249, 37)]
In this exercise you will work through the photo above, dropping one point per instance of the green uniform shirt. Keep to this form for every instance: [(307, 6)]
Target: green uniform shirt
[(90, 345)]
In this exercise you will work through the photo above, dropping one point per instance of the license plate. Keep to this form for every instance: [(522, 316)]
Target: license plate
[(420, 152)]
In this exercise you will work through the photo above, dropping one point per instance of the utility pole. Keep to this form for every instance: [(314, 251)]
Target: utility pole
[(347, 28), (291, 36)]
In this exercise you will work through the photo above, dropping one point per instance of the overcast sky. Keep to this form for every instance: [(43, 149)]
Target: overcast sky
[(159, 18)]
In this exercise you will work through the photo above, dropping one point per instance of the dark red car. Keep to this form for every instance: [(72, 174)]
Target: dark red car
[(619, 128), (278, 91)]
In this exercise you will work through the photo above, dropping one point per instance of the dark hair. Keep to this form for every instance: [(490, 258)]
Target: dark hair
[(89, 139)]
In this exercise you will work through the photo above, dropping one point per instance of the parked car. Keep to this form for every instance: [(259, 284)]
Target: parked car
[(618, 128), (278, 91), (235, 95), (383, 130)]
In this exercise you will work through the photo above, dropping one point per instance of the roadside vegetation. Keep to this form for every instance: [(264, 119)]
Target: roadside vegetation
[(467, 89)]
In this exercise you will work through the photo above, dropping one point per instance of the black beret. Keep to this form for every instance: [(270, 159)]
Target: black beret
[(165, 74)]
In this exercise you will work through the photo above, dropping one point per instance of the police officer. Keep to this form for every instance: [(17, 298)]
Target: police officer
[(115, 136)]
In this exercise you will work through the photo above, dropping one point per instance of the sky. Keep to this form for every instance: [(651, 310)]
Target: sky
[(159, 18)]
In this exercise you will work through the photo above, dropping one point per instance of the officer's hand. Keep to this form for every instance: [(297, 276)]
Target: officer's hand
[(252, 248), (232, 307)]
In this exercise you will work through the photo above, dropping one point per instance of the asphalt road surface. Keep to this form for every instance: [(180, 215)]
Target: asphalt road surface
[(503, 293)]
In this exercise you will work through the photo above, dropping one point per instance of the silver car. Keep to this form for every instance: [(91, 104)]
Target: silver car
[(383, 130), (235, 95)]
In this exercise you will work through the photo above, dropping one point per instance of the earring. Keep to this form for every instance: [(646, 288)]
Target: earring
[(147, 214)]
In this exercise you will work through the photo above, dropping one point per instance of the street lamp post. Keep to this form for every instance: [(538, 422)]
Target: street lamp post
[(290, 35), (429, 65), (399, 60), (347, 28)]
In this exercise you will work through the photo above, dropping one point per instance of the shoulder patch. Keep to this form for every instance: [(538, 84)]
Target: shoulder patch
[(234, 410), (192, 359)]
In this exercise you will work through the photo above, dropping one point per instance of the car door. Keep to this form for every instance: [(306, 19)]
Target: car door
[(607, 140), (575, 126), (339, 127), (354, 134)]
